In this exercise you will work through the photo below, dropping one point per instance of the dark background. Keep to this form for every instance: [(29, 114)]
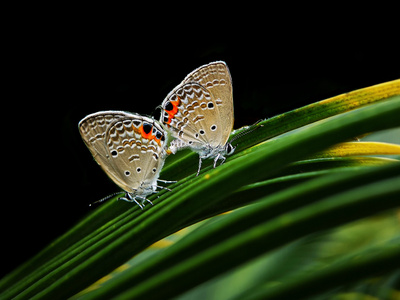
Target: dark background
[(61, 72)]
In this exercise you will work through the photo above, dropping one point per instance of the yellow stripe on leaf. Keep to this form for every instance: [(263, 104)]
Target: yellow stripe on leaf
[(359, 149)]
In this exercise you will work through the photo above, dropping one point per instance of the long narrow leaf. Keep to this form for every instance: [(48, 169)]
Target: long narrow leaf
[(134, 231), (360, 148), (186, 164), (182, 205), (181, 167), (350, 205), (364, 264), (233, 224)]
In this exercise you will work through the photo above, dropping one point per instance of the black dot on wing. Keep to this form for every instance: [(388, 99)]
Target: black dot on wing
[(168, 106), (114, 153), (147, 127), (213, 127), (210, 105)]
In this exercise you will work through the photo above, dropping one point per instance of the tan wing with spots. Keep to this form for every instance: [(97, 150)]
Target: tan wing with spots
[(93, 130), (136, 148), (216, 78), (199, 111), (121, 143)]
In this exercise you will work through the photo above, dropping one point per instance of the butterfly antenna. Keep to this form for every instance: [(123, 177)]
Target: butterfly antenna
[(251, 128), (159, 107), (106, 198)]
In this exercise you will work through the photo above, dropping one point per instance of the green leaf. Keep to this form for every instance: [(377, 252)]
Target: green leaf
[(266, 160), (245, 224), (363, 264), (265, 236), (359, 148)]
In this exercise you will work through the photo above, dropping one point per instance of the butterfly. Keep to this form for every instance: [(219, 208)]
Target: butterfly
[(199, 113), (130, 148)]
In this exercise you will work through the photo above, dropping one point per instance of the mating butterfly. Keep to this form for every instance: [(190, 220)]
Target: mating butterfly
[(199, 112), (130, 148)]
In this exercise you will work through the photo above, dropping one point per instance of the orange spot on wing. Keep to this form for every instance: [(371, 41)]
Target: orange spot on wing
[(171, 113), (150, 135), (145, 135), (158, 141)]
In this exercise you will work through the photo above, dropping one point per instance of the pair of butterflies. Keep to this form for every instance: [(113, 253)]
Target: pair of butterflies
[(131, 149)]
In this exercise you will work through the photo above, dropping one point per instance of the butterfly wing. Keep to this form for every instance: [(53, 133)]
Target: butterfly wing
[(199, 111), (216, 78), (93, 130), (188, 110), (136, 150), (121, 143)]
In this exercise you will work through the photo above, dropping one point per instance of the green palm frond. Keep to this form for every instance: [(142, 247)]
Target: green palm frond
[(293, 184)]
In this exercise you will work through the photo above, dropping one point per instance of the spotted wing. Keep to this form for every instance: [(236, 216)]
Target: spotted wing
[(93, 130), (135, 146), (216, 78), (199, 111), (119, 142)]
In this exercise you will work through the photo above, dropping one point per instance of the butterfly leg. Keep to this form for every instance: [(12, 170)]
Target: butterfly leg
[(129, 198), (163, 187), (198, 171), (143, 200), (223, 159), (216, 159), (219, 156), (167, 181)]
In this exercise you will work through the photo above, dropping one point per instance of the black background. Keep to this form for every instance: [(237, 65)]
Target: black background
[(62, 71)]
